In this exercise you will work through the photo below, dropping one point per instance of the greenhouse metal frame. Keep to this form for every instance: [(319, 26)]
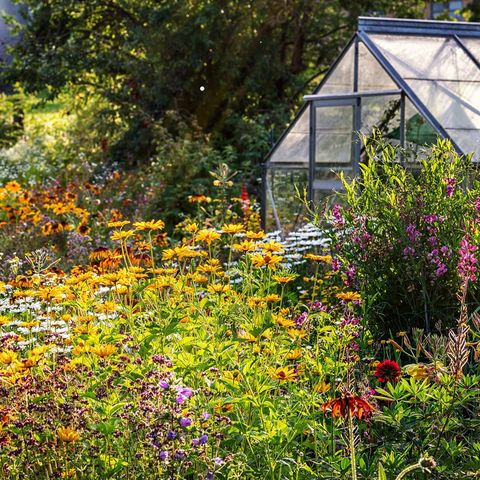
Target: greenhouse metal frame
[(413, 80)]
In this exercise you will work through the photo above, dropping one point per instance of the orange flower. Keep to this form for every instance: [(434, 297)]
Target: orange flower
[(104, 351), (348, 404), (67, 434)]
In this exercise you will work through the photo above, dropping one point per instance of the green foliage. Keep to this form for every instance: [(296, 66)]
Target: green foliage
[(224, 65), (400, 232)]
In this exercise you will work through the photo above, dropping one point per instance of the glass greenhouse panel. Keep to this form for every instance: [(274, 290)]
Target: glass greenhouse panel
[(294, 147), (333, 139), (383, 114), (418, 132), (467, 140), (427, 58), (371, 75), (284, 210), (473, 45), (340, 80)]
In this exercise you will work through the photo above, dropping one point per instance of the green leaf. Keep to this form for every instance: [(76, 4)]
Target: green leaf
[(381, 472)]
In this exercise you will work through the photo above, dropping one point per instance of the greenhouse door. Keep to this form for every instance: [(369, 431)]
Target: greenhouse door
[(333, 145)]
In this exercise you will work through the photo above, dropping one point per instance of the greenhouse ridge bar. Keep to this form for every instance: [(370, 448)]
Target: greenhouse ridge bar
[(412, 80)]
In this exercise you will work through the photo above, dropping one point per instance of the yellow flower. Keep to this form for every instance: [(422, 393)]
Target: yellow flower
[(191, 228), (270, 261), (319, 258), (272, 246), (121, 234), (294, 354), (13, 186), (284, 374), (273, 297), (322, 387), (207, 236), (68, 473), (104, 351), (118, 224), (233, 228), (283, 322), (417, 371), (233, 375), (212, 266), (86, 329), (219, 288), (151, 225), (348, 296), (7, 357), (296, 334), (255, 235), (286, 278), (248, 337), (67, 434), (245, 246), (179, 253)]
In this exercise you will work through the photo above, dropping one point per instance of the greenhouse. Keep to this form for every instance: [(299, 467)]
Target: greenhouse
[(411, 80)]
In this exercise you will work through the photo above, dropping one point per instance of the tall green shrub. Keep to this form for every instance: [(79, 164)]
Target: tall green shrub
[(398, 230)]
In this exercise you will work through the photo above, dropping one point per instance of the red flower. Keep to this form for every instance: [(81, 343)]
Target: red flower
[(387, 371), (348, 404)]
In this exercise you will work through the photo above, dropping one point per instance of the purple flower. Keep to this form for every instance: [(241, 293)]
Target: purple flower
[(210, 476), (430, 218), (338, 220), (163, 384), (412, 232), (205, 415), (218, 461), (171, 435), (407, 251), (163, 455), (185, 422), (180, 454), (183, 394), (467, 268), (451, 182), (335, 265), (301, 319), (203, 439)]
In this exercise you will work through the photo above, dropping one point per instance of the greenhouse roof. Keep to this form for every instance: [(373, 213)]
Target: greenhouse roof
[(432, 70)]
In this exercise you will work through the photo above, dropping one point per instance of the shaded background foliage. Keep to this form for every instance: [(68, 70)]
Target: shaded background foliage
[(237, 69)]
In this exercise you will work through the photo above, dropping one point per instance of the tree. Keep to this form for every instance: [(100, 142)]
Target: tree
[(216, 62)]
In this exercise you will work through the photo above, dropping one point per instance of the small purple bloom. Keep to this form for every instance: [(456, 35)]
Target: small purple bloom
[(185, 422), (412, 232), (163, 455), (218, 461), (203, 439), (205, 416), (451, 182), (210, 476), (163, 384), (171, 435)]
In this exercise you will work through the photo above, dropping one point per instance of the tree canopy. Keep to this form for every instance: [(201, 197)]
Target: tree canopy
[(218, 63)]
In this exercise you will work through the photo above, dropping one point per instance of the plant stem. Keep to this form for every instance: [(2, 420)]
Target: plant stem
[(351, 442), (409, 469)]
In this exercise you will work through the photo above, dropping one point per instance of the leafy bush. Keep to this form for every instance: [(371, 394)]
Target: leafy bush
[(398, 233)]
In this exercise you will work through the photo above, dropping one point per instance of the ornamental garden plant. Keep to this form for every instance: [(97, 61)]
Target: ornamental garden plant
[(216, 351)]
